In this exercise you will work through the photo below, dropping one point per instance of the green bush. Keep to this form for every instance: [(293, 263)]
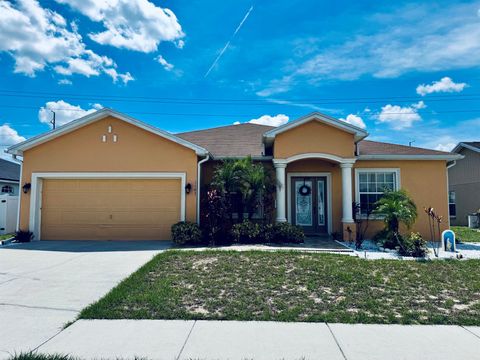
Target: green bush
[(247, 232), (285, 232), (413, 245), (386, 239), (186, 233), (23, 236)]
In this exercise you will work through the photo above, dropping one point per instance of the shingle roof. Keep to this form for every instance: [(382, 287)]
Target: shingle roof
[(367, 147), (9, 170), (475, 144), (246, 139), (230, 141)]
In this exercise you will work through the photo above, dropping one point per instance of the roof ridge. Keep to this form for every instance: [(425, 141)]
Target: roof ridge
[(223, 126), (405, 146)]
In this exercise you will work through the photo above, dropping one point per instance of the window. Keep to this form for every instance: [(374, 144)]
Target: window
[(371, 185), (7, 189), (452, 204)]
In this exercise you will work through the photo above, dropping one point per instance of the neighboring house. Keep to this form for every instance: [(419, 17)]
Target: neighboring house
[(109, 176), (9, 177), (464, 183)]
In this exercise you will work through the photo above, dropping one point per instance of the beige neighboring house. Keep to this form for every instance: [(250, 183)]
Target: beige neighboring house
[(464, 183), (108, 176)]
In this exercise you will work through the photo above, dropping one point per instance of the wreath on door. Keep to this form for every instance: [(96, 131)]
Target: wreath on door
[(304, 190)]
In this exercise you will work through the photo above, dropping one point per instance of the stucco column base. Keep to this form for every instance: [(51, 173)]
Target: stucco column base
[(349, 231)]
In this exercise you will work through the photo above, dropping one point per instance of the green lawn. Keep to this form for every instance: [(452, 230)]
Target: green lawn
[(6, 236), (294, 286), (466, 234)]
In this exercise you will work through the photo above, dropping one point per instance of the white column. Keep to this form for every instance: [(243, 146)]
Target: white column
[(347, 213), (280, 175)]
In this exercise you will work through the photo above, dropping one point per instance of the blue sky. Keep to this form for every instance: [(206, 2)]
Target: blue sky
[(408, 71)]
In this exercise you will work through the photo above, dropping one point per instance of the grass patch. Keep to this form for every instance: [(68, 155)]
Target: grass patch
[(36, 356), (6, 236), (465, 234), (295, 286)]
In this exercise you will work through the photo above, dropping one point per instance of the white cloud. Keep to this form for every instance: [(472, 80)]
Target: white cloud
[(276, 120), (9, 136), (408, 39), (137, 25), (446, 84), (64, 112), (400, 117), (355, 120), (166, 65), (445, 146), (65, 82), (37, 37)]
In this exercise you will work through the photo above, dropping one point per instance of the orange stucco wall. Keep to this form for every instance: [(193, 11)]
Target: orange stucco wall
[(136, 150), (425, 181), (314, 137)]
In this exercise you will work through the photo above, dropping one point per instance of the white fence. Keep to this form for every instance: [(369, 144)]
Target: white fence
[(8, 214)]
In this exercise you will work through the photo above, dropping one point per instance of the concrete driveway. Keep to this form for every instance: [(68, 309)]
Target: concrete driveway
[(45, 284)]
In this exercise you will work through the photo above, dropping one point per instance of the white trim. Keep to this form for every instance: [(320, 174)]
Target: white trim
[(374, 170), (316, 116), (20, 192), (37, 182), (10, 181), (325, 156), (446, 157), (199, 185), (328, 175), (98, 115), (466, 146)]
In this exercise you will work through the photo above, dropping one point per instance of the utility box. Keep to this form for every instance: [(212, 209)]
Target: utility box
[(473, 221), (8, 214)]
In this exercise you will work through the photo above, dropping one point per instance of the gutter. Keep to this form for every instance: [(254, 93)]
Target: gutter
[(199, 183)]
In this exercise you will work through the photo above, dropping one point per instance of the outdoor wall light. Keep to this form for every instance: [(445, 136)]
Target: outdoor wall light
[(26, 187), (188, 188)]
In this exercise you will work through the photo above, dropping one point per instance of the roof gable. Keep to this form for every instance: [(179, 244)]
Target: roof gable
[(358, 133), (471, 145), (93, 117)]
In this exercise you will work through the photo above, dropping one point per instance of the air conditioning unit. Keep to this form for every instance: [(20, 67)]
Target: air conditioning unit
[(8, 214), (473, 221)]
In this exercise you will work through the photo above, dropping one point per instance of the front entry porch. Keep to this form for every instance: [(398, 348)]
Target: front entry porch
[(314, 191)]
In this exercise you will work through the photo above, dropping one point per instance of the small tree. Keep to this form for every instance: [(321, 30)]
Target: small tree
[(434, 222), (362, 222), (396, 207)]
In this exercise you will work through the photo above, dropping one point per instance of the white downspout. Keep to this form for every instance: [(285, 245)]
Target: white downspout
[(199, 183)]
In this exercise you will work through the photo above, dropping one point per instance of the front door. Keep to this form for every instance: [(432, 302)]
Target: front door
[(309, 204)]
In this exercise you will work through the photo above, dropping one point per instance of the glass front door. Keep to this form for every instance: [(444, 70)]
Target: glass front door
[(309, 205)]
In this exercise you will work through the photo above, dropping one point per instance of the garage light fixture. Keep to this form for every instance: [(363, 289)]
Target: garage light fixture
[(188, 188)]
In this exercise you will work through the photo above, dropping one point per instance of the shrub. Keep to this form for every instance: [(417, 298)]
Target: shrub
[(186, 233), (386, 239), (23, 236), (413, 245), (285, 232), (247, 232)]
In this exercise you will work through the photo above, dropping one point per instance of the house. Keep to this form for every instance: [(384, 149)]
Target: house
[(109, 176), (9, 177), (464, 183)]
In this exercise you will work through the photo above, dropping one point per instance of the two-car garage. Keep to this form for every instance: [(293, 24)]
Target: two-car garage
[(105, 209), (107, 176)]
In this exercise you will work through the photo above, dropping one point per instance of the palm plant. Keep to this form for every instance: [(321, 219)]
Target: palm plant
[(396, 207)]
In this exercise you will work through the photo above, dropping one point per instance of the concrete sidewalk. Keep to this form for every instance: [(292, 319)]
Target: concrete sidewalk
[(175, 339)]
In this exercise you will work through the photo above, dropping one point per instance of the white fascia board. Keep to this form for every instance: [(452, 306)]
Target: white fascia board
[(98, 115), (342, 125), (446, 157), (466, 146)]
